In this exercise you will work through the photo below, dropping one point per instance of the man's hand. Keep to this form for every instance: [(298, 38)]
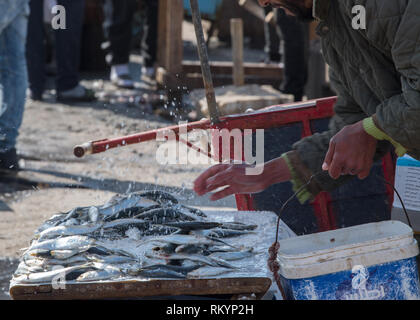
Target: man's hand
[(351, 151), (234, 179)]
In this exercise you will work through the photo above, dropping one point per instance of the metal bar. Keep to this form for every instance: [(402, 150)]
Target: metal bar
[(204, 59), (99, 146), (262, 119), (195, 148)]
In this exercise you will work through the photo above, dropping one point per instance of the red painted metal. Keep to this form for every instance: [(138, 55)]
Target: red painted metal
[(106, 144), (274, 116), (320, 204), (277, 116), (270, 117)]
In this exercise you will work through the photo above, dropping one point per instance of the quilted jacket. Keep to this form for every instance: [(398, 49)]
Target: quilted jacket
[(375, 72)]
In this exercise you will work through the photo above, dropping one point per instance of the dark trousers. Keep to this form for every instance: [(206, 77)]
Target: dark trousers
[(272, 40), (150, 34), (295, 54), (67, 43), (118, 30)]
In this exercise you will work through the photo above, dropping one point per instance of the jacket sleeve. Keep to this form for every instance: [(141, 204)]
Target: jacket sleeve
[(399, 116), (309, 153)]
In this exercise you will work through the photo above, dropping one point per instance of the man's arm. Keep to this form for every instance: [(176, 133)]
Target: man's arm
[(310, 153), (299, 165), (234, 179)]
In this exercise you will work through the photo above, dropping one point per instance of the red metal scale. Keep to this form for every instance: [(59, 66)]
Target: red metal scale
[(271, 117)]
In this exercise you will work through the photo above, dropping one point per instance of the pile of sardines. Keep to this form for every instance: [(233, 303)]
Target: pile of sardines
[(171, 241)]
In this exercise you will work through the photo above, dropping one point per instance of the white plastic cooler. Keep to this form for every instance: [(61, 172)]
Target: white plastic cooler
[(374, 261)]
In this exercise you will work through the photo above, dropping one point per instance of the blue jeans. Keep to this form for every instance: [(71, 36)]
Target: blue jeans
[(13, 77)]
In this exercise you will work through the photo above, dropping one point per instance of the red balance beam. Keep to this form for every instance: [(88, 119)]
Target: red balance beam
[(262, 119)]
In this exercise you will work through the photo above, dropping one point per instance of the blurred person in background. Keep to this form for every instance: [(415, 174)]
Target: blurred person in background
[(13, 78), (118, 32), (67, 49), (294, 51)]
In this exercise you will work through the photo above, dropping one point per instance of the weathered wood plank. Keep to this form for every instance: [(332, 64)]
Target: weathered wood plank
[(237, 34), (147, 288), (170, 45), (262, 70), (192, 81)]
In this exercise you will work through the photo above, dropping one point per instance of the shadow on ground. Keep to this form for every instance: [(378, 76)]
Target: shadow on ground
[(186, 195)]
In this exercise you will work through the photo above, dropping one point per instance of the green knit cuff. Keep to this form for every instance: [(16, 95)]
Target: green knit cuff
[(371, 128), (304, 195)]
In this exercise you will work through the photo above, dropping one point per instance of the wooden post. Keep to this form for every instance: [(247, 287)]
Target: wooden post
[(237, 34), (170, 45)]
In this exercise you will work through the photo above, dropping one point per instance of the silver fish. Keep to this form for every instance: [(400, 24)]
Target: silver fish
[(232, 256), (56, 254), (24, 268), (112, 259), (222, 233), (71, 222), (192, 210), (66, 254), (182, 269), (224, 248), (51, 222), (66, 243), (93, 214), (160, 230), (238, 226), (49, 276), (163, 215), (61, 231), (191, 248), (123, 225), (120, 203), (79, 213), (102, 248), (46, 262), (207, 272), (131, 212), (159, 196), (211, 261), (161, 272), (104, 272), (193, 225), (181, 239)]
